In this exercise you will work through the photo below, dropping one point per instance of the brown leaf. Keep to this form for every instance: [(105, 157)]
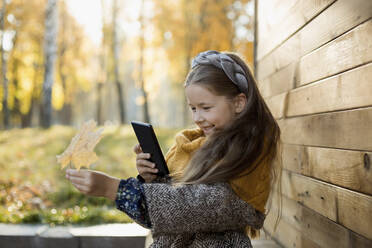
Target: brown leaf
[(80, 152)]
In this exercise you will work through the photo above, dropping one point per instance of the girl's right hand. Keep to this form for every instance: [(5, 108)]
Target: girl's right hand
[(145, 168)]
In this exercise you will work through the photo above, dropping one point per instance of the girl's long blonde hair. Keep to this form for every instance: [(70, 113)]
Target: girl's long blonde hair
[(252, 139), (239, 148)]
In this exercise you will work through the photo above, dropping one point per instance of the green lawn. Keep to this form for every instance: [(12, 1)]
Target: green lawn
[(33, 188)]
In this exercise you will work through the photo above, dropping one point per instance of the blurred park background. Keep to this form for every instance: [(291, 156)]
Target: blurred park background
[(64, 62)]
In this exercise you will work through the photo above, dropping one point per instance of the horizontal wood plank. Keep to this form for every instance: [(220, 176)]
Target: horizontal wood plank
[(347, 51), (345, 16), (293, 16), (286, 235), (280, 82), (295, 159), (355, 211), (278, 11), (345, 130), (277, 105), (311, 193), (288, 52), (327, 181), (350, 209), (348, 169), (317, 228), (335, 93)]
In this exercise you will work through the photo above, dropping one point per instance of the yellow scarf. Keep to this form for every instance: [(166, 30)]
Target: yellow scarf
[(253, 188)]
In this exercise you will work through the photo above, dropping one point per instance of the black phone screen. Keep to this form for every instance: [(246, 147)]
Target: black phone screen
[(149, 144)]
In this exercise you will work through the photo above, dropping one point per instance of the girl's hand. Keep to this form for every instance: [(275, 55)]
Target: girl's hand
[(93, 183), (145, 168)]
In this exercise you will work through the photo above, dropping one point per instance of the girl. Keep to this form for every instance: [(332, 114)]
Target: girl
[(221, 171)]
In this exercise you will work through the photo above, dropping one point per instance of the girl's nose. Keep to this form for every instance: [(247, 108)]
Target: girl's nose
[(198, 117)]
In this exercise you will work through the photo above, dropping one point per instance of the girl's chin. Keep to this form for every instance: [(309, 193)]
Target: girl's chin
[(208, 131)]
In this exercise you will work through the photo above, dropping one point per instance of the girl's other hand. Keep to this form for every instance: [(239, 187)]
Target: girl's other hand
[(93, 183), (145, 168)]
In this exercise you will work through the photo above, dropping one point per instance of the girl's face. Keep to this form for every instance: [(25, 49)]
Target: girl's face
[(209, 111)]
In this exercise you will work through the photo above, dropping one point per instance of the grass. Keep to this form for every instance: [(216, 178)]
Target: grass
[(33, 188)]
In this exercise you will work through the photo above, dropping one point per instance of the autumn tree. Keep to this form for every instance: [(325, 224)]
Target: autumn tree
[(109, 67), (63, 45), (50, 49), (25, 63), (4, 66), (24, 36), (102, 68), (146, 114), (73, 55), (115, 54)]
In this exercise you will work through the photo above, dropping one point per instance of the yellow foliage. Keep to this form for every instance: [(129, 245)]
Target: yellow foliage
[(80, 151), (25, 61), (193, 27), (57, 96)]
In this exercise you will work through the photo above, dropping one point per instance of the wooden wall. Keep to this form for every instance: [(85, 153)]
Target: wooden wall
[(314, 70)]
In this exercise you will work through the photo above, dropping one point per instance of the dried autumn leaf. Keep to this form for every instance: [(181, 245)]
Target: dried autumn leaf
[(80, 151)]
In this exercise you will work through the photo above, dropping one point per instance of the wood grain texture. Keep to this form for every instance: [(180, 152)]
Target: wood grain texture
[(288, 52), (355, 211), (278, 10), (351, 89), (345, 129), (319, 229), (287, 17), (280, 82), (277, 105), (342, 16), (316, 79), (350, 209), (345, 15), (286, 235), (348, 51), (348, 169), (311, 193)]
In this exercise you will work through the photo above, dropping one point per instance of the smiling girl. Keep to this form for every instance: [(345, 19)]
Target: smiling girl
[(221, 171)]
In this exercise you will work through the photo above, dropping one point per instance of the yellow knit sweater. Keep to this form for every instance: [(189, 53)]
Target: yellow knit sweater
[(253, 188)]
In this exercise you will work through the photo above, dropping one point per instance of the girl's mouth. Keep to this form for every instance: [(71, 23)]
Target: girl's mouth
[(207, 129)]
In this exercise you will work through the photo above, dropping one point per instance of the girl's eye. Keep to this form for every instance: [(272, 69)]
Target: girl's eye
[(192, 109), (206, 108)]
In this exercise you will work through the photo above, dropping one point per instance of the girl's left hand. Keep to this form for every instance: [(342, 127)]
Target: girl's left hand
[(93, 183)]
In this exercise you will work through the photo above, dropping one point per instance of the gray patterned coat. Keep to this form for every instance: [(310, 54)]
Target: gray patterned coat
[(203, 215)]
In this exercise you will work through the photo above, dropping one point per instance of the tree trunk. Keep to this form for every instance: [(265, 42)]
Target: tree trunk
[(16, 110), (26, 118), (4, 68), (50, 49), (189, 40), (66, 114), (99, 103), (66, 111), (186, 111), (102, 75), (115, 52), (146, 114)]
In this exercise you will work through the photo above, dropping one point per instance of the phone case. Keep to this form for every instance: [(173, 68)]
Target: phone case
[(149, 144)]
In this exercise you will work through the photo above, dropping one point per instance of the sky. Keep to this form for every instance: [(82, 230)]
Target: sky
[(89, 14)]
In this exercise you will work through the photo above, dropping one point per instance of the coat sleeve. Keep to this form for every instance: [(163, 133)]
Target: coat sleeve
[(130, 199), (198, 208)]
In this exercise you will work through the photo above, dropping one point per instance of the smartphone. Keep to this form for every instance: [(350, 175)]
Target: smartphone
[(149, 144)]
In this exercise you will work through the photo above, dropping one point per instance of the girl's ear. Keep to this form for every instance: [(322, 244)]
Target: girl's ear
[(239, 102)]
